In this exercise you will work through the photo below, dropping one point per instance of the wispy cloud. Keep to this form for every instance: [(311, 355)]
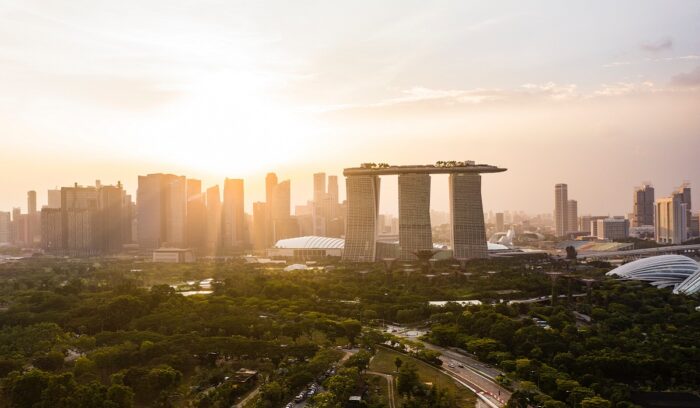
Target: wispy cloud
[(663, 44), (691, 78)]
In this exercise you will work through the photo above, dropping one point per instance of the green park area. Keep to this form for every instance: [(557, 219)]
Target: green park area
[(384, 361)]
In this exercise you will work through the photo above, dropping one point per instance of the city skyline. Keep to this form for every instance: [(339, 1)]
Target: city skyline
[(87, 95)]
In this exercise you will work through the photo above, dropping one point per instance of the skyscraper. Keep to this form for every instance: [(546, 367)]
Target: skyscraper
[(560, 210), (80, 232), (467, 216), (162, 208), (671, 223), (319, 187), (196, 216), (5, 228), (500, 224), (213, 230), (260, 226), (54, 198), (233, 215), (683, 192), (572, 215), (111, 218), (415, 233), (643, 212), (33, 220), (363, 210)]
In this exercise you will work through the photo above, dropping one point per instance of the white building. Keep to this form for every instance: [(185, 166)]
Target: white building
[(671, 223)]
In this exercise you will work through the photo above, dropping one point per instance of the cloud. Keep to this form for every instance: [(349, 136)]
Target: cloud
[(691, 78), (664, 44)]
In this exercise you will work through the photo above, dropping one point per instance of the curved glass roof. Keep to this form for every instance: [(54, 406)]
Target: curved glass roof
[(311, 242), (661, 271), (689, 286)]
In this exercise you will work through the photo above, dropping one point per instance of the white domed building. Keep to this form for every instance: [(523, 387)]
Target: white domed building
[(663, 271)]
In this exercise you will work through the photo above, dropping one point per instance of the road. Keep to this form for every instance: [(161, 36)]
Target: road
[(390, 384), (473, 374)]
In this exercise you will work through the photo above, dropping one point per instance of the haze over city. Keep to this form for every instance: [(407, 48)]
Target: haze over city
[(556, 92)]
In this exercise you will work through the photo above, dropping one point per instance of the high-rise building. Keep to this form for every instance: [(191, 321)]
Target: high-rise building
[(111, 218), (467, 216), (260, 226), (80, 225), (52, 229), (213, 230), (33, 220), (500, 224), (319, 187), (612, 228), (643, 213), (362, 213), (572, 215), (54, 198), (671, 223), (561, 203), (19, 228), (233, 215), (162, 207), (415, 232), (333, 189), (695, 225), (683, 192), (196, 216), (5, 228), (589, 223)]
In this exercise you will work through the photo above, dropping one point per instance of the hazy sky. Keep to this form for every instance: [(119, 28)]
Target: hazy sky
[(600, 95)]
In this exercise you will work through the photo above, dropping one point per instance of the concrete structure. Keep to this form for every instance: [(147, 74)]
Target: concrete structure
[(589, 223), (5, 228), (213, 234), (161, 207), (415, 232), (196, 224), (561, 218), (173, 255), (572, 215), (671, 223), (468, 236), (500, 225), (361, 222), (684, 195), (613, 228), (233, 215), (643, 212), (54, 198)]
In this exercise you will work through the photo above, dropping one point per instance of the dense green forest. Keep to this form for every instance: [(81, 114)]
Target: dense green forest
[(118, 334)]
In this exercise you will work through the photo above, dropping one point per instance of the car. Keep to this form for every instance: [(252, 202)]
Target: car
[(460, 365), (290, 405), (451, 365), (300, 397)]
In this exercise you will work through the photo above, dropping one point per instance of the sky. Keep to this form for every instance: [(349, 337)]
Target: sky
[(599, 95)]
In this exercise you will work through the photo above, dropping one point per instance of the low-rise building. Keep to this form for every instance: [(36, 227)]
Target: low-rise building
[(173, 255)]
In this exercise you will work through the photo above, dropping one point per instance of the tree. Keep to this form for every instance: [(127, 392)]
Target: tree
[(398, 362), (595, 402), (352, 329), (359, 360), (407, 382)]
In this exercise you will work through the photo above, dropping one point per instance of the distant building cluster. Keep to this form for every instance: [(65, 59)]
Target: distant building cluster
[(172, 217), (668, 220)]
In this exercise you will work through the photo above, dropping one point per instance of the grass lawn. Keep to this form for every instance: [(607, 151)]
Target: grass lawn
[(383, 362)]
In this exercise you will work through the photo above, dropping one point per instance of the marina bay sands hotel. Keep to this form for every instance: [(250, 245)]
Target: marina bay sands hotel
[(468, 233)]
